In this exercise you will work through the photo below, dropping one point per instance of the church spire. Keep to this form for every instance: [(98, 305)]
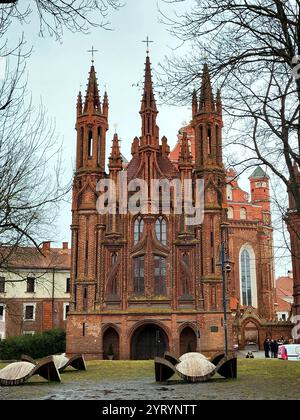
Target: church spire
[(185, 156), (148, 100), (79, 103), (115, 159), (105, 104), (219, 103), (92, 97), (194, 103), (91, 126), (148, 109), (206, 97)]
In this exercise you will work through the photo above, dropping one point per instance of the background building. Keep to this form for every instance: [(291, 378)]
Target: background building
[(284, 297), (34, 290)]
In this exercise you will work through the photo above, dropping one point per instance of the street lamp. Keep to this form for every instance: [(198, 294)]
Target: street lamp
[(224, 263)]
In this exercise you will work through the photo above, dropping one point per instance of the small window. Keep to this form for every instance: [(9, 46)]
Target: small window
[(243, 213), (114, 258), (230, 213), (66, 310), (138, 229), (161, 230), (2, 313), (283, 317), (139, 274), (28, 332), (29, 313), (2, 284), (258, 184), (160, 275), (68, 285), (229, 192), (90, 144), (30, 288)]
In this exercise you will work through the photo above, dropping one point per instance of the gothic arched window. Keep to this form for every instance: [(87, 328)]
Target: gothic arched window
[(139, 274), (184, 279), (161, 230), (160, 275), (138, 229), (248, 277), (243, 213), (114, 257), (230, 213)]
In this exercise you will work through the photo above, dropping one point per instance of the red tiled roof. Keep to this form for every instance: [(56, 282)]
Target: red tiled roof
[(30, 257), (284, 286), (167, 167), (283, 306), (133, 167)]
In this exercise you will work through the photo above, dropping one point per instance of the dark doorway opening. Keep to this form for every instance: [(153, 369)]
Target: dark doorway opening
[(188, 341), (149, 341), (111, 344)]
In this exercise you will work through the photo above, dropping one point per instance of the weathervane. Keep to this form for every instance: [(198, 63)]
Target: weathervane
[(92, 51), (147, 41)]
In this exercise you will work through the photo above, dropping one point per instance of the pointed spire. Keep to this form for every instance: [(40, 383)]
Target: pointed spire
[(148, 100), (79, 103), (185, 152), (115, 159), (135, 146), (92, 98), (165, 148), (148, 112), (105, 104), (194, 103), (219, 103), (206, 98)]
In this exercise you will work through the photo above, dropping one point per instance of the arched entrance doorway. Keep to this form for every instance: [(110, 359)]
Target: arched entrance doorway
[(188, 341), (251, 337), (148, 341), (111, 343)]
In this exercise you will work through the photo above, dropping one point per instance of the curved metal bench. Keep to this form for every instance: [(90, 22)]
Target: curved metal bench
[(19, 372), (62, 362)]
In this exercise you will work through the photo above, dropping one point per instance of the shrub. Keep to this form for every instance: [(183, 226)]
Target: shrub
[(36, 346)]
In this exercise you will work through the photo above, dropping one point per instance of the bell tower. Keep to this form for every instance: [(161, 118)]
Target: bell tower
[(207, 124), (91, 127)]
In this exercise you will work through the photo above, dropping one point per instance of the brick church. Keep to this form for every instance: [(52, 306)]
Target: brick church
[(145, 283)]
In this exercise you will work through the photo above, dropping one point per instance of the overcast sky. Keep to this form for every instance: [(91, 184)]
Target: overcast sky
[(56, 71)]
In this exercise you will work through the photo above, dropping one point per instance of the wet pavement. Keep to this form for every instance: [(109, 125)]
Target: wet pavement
[(145, 389), (257, 379)]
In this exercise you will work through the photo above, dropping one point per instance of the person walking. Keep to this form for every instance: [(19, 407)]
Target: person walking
[(272, 347), (267, 348), (276, 347)]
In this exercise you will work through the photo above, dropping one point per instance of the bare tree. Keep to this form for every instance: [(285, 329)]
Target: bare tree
[(57, 15), (30, 173), (253, 51), (30, 166)]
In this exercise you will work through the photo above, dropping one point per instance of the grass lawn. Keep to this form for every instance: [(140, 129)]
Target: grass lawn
[(257, 379)]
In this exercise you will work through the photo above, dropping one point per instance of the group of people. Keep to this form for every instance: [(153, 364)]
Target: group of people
[(271, 347)]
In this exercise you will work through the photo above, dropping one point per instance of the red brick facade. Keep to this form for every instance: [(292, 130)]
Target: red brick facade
[(293, 224), (148, 283)]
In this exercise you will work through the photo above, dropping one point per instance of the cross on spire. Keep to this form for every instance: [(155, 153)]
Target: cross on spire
[(147, 41), (92, 51)]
